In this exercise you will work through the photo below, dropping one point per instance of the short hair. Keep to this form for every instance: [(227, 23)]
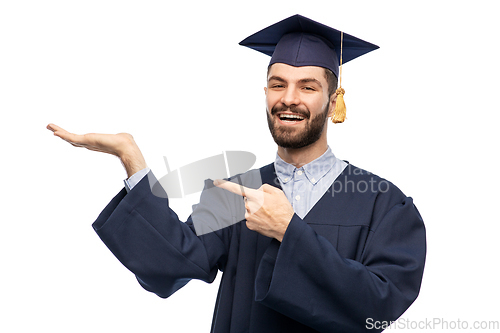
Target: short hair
[(331, 79)]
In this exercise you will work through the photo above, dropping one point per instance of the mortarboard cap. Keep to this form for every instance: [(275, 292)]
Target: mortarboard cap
[(299, 41)]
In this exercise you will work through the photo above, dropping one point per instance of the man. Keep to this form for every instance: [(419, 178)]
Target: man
[(323, 247)]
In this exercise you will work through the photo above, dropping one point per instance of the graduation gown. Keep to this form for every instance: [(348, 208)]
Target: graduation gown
[(356, 258)]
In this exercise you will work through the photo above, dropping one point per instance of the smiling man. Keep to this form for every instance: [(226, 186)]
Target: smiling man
[(298, 105), (324, 246)]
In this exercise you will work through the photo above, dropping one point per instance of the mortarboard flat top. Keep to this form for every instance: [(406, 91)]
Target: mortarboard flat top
[(299, 41)]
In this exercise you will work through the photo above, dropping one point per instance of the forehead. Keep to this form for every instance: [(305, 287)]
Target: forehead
[(292, 73)]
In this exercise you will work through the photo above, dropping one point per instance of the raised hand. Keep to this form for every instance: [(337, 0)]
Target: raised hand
[(121, 145)]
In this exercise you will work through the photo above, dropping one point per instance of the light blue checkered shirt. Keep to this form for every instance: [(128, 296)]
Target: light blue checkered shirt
[(305, 186)]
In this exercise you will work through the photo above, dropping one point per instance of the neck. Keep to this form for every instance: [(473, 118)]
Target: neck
[(301, 156)]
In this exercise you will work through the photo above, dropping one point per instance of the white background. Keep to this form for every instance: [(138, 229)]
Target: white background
[(422, 112)]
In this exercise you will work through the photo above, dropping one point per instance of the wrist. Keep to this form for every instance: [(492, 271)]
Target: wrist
[(132, 165), (284, 226), (132, 159)]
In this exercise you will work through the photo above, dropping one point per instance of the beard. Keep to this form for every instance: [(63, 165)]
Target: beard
[(289, 137)]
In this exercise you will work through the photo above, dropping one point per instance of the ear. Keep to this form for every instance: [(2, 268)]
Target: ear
[(333, 102), (265, 90)]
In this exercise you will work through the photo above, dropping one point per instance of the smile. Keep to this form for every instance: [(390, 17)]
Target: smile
[(288, 118)]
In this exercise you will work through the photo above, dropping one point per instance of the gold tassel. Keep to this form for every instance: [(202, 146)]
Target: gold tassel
[(339, 114), (340, 110)]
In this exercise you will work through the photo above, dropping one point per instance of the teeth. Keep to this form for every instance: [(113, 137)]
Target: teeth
[(291, 116)]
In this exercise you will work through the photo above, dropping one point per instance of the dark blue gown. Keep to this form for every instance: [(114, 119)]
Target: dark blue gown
[(358, 254)]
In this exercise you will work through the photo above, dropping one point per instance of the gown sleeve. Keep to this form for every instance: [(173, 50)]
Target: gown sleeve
[(305, 278), (149, 239)]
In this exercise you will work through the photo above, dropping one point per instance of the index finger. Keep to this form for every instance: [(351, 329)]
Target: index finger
[(233, 187)]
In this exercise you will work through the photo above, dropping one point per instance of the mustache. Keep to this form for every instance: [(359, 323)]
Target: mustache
[(303, 112)]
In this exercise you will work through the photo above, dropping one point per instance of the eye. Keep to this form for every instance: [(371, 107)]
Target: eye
[(309, 88)]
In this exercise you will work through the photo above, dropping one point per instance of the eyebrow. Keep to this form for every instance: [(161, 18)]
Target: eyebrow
[(305, 80), (276, 78)]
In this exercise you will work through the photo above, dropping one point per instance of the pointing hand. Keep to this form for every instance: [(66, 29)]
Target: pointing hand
[(268, 211)]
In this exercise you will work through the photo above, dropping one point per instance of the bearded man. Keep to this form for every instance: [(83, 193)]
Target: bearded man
[(315, 251)]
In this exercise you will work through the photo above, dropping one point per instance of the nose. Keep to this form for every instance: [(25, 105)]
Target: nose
[(290, 97)]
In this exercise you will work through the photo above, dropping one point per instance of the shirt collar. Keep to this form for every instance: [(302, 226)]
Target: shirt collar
[(314, 170)]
